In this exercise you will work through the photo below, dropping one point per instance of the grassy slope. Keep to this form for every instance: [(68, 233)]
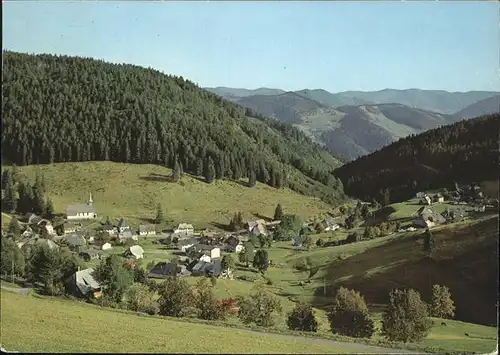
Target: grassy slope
[(133, 191)]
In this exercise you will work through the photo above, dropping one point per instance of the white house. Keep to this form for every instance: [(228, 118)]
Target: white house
[(106, 246), (81, 211), (135, 251), (205, 258), (184, 228), (428, 200), (147, 229)]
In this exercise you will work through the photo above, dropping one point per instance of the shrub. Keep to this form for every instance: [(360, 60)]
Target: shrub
[(258, 308), (406, 319), (139, 298), (302, 318), (208, 306), (320, 242), (300, 264), (175, 297), (349, 315), (442, 305)]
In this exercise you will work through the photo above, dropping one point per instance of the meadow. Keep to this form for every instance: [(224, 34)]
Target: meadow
[(133, 191)]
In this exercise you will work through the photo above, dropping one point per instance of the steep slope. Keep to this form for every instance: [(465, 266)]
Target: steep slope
[(465, 151), (431, 100), (62, 109), (288, 107), (481, 108)]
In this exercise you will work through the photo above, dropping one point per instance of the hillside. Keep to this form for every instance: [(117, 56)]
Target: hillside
[(466, 151), (481, 108), (70, 109), (333, 100), (235, 94), (133, 191)]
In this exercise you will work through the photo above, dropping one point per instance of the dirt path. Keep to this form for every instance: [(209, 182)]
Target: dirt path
[(350, 347), (20, 291)]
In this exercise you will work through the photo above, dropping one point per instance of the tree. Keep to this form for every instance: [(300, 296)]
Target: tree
[(262, 240), (176, 172), (320, 242), (349, 315), (228, 263), (140, 275), (278, 213), (442, 305), (159, 219), (38, 197), (12, 259), (252, 179), (247, 255), (254, 240), (261, 260), (429, 243), (291, 223), (236, 222), (140, 298), (386, 197), (406, 318), (306, 243), (14, 227), (9, 203), (209, 171), (6, 178), (258, 308), (114, 277), (49, 209), (175, 297), (302, 318), (209, 308)]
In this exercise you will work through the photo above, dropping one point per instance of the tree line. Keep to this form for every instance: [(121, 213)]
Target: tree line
[(464, 152), (69, 109)]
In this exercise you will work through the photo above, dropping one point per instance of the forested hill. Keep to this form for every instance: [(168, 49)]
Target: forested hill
[(466, 151), (60, 109)]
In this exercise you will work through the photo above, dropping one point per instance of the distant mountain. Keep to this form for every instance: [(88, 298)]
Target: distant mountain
[(234, 94), (332, 100), (463, 152), (483, 107)]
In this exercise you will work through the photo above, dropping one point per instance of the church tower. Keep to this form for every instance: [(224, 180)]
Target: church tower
[(90, 201)]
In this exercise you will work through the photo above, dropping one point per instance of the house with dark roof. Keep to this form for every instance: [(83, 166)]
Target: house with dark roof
[(75, 241), (185, 244), (127, 234), (200, 250), (108, 228), (163, 270), (122, 225), (147, 229), (234, 244), (83, 284), (428, 219)]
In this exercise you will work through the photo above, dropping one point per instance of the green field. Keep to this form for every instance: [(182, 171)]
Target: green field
[(133, 191)]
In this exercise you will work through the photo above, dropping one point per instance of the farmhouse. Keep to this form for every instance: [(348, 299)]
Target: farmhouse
[(420, 195), (438, 198), (203, 268), (108, 228), (184, 228), (252, 224), (106, 246), (329, 224), (83, 284), (75, 240), (428, 219), (47, 226), (122, 225), (258, 229), (147, 229), (69, 228), (185, 244), (205, 252), (82, 211), (234, 245), (163, 270), (88, 255), (127, 234), (135, 251)]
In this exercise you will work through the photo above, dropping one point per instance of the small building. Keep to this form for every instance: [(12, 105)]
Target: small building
[(127, 234), (428, 219), (427, 200), (438, 198), (252, 224), (185, 244), (135, 251), (89, 255), (329, 224), (208, 250), (106, 246), (75, 241), (479, 208), (147, 229), (69, 228), (259, 229), (122, 225), (108, 228), (83, 284), (184, 228), (234, 245), (82, 211), (163, 270), (420, 195)]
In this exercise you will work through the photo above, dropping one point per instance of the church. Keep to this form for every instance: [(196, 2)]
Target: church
[(81, 210)]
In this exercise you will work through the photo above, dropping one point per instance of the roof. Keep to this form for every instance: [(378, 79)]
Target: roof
[(73, 210), (259, 228), (84, 280), (126, 234), (107, 227), (164, 269), (190, 241), (185, 226), (69, 225), (122, 223), (252, 224), (75, 240), (329, 220), (215, 268), (147, 228), (232, 241), (136, 250), (200, 247)]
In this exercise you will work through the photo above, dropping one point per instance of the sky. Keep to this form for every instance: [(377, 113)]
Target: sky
[(336, 46)]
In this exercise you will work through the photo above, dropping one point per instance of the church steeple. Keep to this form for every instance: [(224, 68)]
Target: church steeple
[(90, 201)]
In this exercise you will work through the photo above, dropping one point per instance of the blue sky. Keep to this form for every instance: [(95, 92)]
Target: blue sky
[(335, 46)]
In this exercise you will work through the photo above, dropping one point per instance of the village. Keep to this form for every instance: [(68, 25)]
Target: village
[(199, 253)]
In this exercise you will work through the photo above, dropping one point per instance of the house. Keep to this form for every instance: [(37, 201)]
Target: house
[(207, 250), (258, 229), (147, 229), (83, 284), (106, 246), (329, 224), (81, 211), (234, 245), (438, 198), (428, 219), (184, 228), (427, 200), (215, 268), (69, 228), (420, 195), (479, 208), (88, 255), (75, 240), (134, 251), (252, 224), (123, 225), (200, 268), (34, 220), (108, 228), (28, 232), (127, 234), (163, 270), (185, 244), (90, 235), (454, 215)]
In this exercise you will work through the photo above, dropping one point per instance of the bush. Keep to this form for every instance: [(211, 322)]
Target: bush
[(258, 308), (139, 298), (302, 318), (208, 306), (301, 264), (406, 319), (175, 297), (320, 242), (442, 305), (349, 315)]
